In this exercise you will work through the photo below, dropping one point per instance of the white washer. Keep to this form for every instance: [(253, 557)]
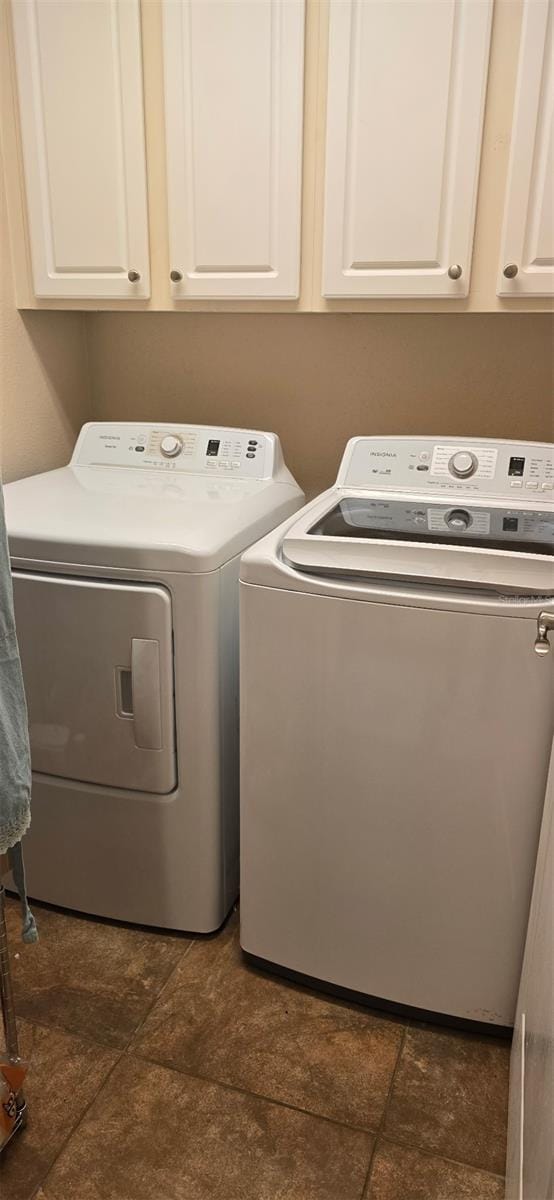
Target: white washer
[(126, 595), (396, 725)]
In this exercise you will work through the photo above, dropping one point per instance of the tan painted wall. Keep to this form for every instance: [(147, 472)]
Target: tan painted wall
[(318, 379), (44, 381)]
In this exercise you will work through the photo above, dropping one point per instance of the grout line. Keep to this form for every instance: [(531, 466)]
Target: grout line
[(95, 1041), (413, 1145), (235, 1087), (456, 1162), (159, 995), (52, 1026), (75, 1127), (122, 1051), (384, 1113), (119, 1051)]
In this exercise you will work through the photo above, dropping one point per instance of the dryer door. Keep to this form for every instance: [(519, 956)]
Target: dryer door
[(98, 669)]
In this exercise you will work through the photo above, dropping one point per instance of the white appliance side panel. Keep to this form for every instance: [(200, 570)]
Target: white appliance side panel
[(234, 93), (530, 1160), (404, 123), (79, 71), (393, 770), (528, 234), (98, 671)]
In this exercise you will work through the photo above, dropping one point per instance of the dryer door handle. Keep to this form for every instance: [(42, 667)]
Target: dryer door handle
[(147, 708)]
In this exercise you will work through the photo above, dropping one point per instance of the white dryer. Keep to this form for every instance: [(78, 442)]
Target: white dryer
[(397, 715), (126, 595)]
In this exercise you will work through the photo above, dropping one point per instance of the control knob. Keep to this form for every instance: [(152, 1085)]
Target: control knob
[(171, 446), (463, 464), (458, 519)]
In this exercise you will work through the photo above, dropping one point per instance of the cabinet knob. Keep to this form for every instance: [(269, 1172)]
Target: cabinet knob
[(133, 276), (510, 271), (455, 271), (176, 276)]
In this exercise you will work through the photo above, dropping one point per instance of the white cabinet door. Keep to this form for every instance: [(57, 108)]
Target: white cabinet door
[(528, 236), (233, 91), (79, 72), (407, 81)]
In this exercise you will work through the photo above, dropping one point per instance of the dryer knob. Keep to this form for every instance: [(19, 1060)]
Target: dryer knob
[(171, 446), (463, 464)]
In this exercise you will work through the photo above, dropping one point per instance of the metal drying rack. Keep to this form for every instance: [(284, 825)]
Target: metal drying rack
[(8, 1014)]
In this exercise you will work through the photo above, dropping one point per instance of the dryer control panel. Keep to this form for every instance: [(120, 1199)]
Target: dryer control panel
[(514, 470), (194, 449)]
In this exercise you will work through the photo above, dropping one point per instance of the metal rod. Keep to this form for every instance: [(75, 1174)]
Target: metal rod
[(6, 990)]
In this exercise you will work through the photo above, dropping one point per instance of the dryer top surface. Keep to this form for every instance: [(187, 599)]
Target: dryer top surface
[(102, 511)]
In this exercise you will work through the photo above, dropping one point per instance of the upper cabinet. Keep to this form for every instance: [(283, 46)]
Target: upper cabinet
[(405, 108), (79, 74), (233, 115), (292, 155), (527, 256)]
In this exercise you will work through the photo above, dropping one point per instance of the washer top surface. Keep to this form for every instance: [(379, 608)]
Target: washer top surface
[(467, 512), (151, 497)]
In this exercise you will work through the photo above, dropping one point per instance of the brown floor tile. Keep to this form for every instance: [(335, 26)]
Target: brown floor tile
[(153, 1133), (64, 1075), (399, 1173), (89, 977), (450, 1096), (220, 1019)]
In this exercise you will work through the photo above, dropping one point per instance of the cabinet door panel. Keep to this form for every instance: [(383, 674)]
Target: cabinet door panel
[(233, 86), (528, 235), (79, 76), (406, 94)]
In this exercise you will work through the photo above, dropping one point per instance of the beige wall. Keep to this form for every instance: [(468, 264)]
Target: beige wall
[(44, 380), (318, 379), (314, 379)]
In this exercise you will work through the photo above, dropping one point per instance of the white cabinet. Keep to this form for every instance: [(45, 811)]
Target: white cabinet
[(406, 91), (530, 1161), (527, 256), (233, 115), (79, 72), (345, 132)]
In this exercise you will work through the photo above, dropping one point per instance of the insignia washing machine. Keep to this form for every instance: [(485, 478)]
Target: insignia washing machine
[(125, 569), (397, 716)]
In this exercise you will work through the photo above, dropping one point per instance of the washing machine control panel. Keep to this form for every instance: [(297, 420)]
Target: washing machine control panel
[(194, 449), (515, 470)]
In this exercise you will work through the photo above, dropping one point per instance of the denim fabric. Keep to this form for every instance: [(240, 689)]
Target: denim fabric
[(15, 761)]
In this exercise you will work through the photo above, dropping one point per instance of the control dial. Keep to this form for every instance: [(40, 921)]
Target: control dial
[(171, 446), (458, 519), (463, 464)]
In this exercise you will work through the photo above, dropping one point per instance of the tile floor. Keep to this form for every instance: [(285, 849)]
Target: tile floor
[(165, 1068)]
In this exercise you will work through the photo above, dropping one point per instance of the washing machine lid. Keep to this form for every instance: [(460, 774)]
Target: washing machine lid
[(473, 513), (192, 512), (489, 546)]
